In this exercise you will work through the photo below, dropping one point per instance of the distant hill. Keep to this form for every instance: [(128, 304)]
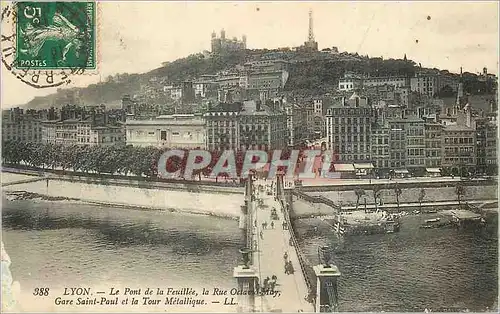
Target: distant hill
[(112, 90), (310, 74)]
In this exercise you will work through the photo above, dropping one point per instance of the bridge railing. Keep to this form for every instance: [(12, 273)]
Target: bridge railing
[(316, 199), (302, 263), (249, 219)]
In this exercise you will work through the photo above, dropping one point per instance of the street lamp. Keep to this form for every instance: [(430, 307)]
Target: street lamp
[(245, 252), (325, 252)]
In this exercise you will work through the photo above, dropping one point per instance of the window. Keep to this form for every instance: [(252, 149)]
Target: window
[(163, 135)]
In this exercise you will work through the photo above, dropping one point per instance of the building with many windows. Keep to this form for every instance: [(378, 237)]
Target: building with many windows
[(247, 125), (459, 144), (18, 125), (296, 122), (415, 144), (396, 81), (223, 126), (433, 144), (380, 147), (81, 132), (348, 128), (427, 84), (397, 145), (350, 82)]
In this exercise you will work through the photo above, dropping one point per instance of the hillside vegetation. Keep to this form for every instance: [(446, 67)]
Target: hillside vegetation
[(308, 75)]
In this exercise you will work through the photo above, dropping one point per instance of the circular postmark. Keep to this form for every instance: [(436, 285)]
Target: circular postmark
[(45, 44)]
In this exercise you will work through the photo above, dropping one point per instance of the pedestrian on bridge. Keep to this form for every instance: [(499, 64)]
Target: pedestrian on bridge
[(289, 268), (284, 225), (272, 284), (265, 285)]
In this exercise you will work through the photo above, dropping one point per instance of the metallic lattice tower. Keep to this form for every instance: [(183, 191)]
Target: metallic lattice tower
[(311, 34)]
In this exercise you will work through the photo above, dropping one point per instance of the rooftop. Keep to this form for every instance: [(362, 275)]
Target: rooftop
[(175, 119), (457, 127)]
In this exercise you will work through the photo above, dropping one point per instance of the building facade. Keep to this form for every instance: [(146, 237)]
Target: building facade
[(396, 81), (296, 122), (415, 144), (427, 84), (247, 125), (81, 132), (380, 147), (18, 125), (170, 131), (348, 128), (433, 144)]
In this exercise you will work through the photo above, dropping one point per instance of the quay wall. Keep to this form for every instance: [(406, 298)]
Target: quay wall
[(214, 198), (411, 194), (427, 183), (220, 201)]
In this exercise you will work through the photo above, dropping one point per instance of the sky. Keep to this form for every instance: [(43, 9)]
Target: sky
[(137, 36)]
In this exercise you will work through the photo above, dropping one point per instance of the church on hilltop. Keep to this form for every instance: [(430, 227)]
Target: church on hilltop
[(223, 45)]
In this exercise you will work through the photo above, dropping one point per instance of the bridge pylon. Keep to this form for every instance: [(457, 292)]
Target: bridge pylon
[(326, 287), (247, 279)]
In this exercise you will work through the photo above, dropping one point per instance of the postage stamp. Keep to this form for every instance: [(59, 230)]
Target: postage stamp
[(49, 44), (56, 35)]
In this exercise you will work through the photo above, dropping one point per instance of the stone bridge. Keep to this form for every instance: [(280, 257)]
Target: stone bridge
[(271, 243)]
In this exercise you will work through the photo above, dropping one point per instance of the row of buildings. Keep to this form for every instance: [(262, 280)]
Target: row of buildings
[(423, 83), (88, 125), (389, 137), (408, 141), (262, 79)]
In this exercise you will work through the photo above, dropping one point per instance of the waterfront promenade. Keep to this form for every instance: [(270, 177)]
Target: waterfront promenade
[(360, 182), (269, 259)]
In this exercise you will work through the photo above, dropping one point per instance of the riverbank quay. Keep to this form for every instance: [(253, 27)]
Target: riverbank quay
[(307, 185), (305, 209), (217, 201), (220, 198), (325, 185), (142, 182)]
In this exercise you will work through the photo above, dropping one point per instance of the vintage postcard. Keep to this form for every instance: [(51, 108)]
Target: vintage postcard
[(162, 156)]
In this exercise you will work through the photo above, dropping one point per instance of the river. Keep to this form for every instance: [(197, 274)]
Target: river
[(64, 244)]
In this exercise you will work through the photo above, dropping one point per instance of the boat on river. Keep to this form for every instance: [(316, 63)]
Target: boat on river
[(433, 220)]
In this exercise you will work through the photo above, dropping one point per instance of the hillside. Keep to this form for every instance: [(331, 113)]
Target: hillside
[(324, 74), (310, 74)]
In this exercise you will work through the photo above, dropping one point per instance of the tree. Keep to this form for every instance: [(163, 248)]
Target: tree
[(359, 192), (397, 191), (377, 191), (421, 197), (460, 192)]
